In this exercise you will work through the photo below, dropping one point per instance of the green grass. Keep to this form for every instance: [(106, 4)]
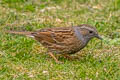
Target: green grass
[(22, 58)]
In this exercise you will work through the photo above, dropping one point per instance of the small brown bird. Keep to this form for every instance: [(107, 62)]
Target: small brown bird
[(63, 40)]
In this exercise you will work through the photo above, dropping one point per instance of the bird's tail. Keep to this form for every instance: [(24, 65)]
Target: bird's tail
[(26, 33)]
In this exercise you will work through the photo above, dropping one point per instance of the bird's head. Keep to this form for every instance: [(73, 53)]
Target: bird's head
[(86, 32), (89, 32)]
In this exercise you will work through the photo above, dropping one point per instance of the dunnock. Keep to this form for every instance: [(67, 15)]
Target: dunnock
[(63, 40)]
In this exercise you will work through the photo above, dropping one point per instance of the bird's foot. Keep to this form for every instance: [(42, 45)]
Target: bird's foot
[(59, 62), (70, 57)]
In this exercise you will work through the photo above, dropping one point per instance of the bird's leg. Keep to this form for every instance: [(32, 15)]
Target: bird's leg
[(56, 60), (67, 56)]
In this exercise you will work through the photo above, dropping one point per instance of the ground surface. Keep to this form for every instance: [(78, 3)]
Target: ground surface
[(22, 58)]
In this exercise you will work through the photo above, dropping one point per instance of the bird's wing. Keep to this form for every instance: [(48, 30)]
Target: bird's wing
[(55, 36)]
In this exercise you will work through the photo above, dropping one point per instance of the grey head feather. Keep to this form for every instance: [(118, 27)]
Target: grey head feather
[(78, 34), (90, 28)]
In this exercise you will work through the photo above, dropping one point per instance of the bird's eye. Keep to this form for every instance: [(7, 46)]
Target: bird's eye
[(90, 31)]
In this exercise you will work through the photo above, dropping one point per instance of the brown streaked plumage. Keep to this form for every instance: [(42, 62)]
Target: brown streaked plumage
[(63, 40)]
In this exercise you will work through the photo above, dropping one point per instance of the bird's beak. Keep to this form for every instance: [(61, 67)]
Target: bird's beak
[(99, 37)]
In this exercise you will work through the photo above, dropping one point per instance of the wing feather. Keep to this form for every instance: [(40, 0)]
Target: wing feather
[(54, 36)]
